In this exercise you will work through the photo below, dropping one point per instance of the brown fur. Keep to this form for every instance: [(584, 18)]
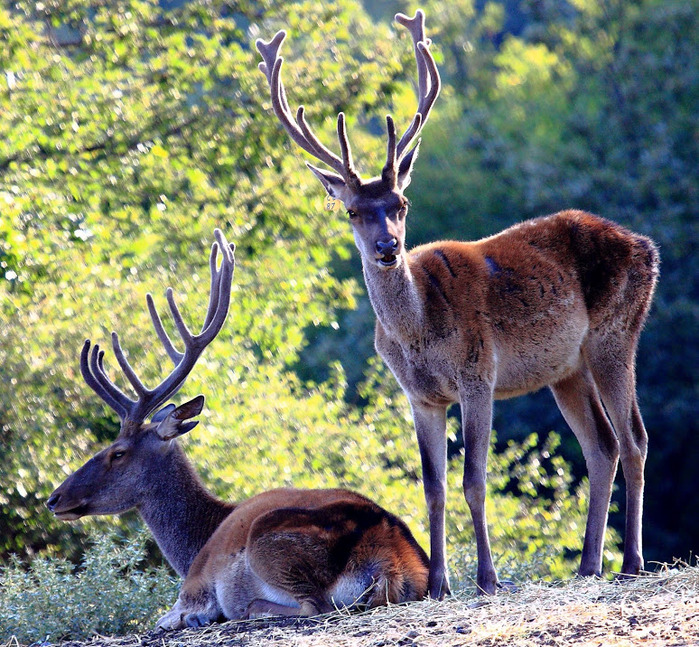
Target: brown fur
[(301, 552), (556, 301)]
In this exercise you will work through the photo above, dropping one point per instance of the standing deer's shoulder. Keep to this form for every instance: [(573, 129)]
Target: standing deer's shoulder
[(286, 551), (558, 301)]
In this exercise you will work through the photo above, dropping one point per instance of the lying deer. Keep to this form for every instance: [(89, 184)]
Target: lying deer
[(557, 301), (287, 551)]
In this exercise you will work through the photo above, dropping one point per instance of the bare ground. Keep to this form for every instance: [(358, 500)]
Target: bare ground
[(660, 609)]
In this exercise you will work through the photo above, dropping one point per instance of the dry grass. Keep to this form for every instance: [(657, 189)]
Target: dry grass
[(660, 609)]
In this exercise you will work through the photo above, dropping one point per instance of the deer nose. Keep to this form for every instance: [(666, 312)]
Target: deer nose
[(387, 248), (53, 501)]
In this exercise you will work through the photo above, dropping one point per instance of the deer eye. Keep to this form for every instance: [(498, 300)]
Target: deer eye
[(351, 214), (403, 211), (117, 455)]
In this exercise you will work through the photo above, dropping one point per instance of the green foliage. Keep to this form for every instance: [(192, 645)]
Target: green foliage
[(129, 130), (127, 134), (109, 593)]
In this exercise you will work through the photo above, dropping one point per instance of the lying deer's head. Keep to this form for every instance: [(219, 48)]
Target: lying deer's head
[(116, 478), (376, 207)]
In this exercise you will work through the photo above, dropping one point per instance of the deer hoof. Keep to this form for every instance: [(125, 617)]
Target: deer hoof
[(507, 586), (196, 620)]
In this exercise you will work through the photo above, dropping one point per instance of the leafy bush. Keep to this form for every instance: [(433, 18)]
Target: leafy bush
[(109, 593)]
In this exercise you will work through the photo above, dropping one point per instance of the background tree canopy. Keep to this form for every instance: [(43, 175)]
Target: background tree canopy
[(130, 129)]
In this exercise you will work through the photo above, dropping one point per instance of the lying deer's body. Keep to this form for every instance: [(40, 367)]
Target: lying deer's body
[(557, 301), (288, 551), (299, 553)]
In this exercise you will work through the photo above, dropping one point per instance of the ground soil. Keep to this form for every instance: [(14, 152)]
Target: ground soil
[(660, 609)]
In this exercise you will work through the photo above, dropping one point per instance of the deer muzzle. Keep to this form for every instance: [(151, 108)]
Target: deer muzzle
[(386, 252), (66, 510)]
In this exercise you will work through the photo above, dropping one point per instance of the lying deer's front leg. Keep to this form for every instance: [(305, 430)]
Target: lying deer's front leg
[(430, 427), (476, 413), (191, 611)]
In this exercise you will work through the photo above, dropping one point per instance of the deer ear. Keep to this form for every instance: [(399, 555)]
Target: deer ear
[(333, 183), (174, 425), (405, 168), (160, 415)]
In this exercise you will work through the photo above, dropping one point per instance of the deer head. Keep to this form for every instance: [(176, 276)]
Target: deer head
[(117, 478), (376, 207)]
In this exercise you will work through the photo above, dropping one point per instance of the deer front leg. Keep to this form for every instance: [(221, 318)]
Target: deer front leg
[(191, 610), (430, 427), (476, 413)]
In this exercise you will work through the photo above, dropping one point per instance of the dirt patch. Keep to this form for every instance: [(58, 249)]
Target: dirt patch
[(660, 609)]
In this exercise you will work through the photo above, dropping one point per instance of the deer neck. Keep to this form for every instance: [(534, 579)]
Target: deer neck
[(180, 512), (395, 299)]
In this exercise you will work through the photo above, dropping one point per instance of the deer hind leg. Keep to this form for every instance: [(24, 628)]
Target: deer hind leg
[(289, 552), (430, 427), (476, 412), (579, 402), (259, 608), (612, 365)]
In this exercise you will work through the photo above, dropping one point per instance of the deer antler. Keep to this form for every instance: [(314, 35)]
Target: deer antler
[(92, 363), (300, 131), (428, 87)]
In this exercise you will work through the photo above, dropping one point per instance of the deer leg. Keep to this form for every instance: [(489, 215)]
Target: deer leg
[(476, 410), (260, 608), (613, 370), (196, 607), (291, 551), (579, 402), (430, 427)]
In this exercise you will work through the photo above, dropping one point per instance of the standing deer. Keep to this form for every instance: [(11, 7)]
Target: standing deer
[(287, 551), (557, 301)]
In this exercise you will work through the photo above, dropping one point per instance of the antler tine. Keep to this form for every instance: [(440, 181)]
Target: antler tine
[(389, 171), (426, 71), (435, 81), (270, 53), (126, 367), (170, 349), (121, 404), (300, 131), (220, 298), (416, 27), (182, 328), (97, 367), (213, 286), (96, 378), (345, 170), (349, 172)]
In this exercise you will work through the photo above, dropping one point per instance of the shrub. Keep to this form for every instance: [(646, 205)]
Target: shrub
[(108, 593)]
